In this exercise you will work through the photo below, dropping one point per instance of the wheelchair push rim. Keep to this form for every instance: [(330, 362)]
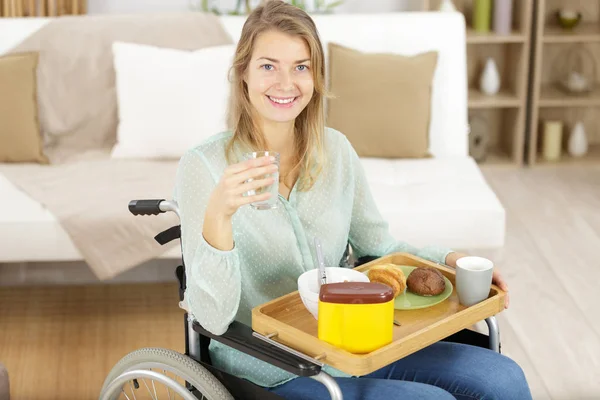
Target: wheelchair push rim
[(156, 374)]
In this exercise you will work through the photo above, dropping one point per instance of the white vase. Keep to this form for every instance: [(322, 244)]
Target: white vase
[(489, 82), (447, 6), (578, 143)]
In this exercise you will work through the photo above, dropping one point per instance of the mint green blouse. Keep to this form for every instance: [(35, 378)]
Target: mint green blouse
[(273, 248)]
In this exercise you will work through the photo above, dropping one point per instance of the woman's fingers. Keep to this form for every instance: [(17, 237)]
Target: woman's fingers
[(254, 173), (241, 201), (499, 280), (243, 166), (253, 185), (501, 283)]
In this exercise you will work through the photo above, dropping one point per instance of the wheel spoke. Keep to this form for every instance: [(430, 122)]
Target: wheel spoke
[(147, 387), (168, 388), (127, 397), (132, 392), (154, 387)]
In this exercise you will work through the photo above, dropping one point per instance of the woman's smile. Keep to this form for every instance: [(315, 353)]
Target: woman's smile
[(283, 102)]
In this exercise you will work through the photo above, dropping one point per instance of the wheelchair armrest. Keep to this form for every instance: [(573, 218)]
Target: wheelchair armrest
[(239, 336)]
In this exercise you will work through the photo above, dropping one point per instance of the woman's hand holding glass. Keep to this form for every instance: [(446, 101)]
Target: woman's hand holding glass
[(238, 180)]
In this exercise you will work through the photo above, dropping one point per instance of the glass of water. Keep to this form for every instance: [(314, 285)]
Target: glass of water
[(271, 202)]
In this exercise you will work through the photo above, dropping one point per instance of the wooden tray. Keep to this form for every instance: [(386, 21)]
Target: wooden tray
[(289, 322)]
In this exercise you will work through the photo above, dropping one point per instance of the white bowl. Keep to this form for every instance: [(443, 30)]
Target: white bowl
[(308, 285)]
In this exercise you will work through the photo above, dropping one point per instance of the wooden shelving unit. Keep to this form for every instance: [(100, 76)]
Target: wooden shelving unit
[(591, 158), (485, 38), (41, 8), (586, 32), (505, 113), (548, 101)]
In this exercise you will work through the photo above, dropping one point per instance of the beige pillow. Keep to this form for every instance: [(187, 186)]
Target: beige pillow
[(381, 101), (20, 139)]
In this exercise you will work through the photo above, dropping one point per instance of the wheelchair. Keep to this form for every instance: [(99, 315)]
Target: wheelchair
[(192, 376)]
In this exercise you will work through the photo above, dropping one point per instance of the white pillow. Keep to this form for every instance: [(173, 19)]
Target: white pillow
[(169, 100)]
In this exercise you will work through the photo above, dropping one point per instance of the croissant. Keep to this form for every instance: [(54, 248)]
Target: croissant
[(390, 275)]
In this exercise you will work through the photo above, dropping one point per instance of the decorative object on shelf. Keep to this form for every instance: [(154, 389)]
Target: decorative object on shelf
[(210, 6), (325, 6), (503, 10), (568, 19), (482, 15), (478, 138), (576, 70), (489, 82), (578, 143), (298, 3), (447, 6), (552, 140)]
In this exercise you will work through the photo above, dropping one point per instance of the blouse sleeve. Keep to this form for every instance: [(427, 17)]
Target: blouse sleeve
[(213, 276), (369, 232)]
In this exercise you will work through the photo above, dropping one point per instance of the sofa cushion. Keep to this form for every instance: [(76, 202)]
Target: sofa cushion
[(382, 101), (443, 201), (76, 79), (169, 100), (20, 139)]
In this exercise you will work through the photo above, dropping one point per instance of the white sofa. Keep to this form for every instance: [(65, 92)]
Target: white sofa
[(442, 200)]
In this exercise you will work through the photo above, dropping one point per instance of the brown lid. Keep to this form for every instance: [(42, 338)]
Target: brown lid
[(356, 293)]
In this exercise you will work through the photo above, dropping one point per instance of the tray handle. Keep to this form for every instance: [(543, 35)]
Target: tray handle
[(268, 339)]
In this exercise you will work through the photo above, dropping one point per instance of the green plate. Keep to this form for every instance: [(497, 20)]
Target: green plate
[(411, 301)]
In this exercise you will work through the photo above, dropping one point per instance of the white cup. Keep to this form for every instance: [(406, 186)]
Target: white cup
[(473, 279)]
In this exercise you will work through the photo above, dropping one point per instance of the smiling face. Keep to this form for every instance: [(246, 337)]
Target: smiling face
[(279, 78)]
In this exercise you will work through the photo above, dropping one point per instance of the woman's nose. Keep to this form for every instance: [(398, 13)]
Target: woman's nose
[(286, 80)]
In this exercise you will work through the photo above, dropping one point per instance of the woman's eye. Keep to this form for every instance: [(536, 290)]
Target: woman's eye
[(267, 67), (302, 67)]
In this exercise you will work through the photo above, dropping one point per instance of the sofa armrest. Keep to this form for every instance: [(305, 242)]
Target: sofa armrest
[(241, 337)]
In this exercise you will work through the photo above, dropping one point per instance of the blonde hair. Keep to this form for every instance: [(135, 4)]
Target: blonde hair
[(309, 126)]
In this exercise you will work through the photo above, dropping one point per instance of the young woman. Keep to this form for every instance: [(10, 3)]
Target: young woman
[(238, 257)]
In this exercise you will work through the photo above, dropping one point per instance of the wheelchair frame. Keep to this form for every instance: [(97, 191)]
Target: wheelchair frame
[(242, 338)]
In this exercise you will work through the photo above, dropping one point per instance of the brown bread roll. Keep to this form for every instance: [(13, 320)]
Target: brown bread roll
[(426, 281)]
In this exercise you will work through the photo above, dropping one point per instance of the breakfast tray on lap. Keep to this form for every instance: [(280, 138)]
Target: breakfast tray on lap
[(287, 320)]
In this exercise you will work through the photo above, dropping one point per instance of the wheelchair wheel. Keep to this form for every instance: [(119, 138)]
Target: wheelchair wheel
[(156, 373)]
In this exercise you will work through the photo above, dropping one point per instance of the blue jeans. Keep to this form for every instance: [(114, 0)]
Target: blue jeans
[(441, 371)]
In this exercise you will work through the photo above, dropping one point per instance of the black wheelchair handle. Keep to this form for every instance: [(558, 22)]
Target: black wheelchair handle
[(145, 207)]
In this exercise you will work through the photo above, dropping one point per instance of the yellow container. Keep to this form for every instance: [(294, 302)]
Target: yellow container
[(356, 316)]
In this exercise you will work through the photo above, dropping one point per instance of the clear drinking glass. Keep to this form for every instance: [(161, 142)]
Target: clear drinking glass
[(271, 202)]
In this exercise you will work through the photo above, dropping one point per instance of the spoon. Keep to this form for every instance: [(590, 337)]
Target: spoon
[(322, 275)]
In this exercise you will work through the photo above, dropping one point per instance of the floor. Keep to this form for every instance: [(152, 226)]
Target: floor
[(59, 342), (551, 261)]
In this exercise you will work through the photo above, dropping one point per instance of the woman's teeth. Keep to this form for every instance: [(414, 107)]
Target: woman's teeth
[(282, 101)]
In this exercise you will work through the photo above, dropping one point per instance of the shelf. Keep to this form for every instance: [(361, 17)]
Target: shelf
[(591, 158), (504, 99), (497, 158), (491, 37), (551, 96), (586, 32)]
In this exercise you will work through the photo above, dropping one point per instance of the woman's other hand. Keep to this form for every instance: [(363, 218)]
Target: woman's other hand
[(497, 278)]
